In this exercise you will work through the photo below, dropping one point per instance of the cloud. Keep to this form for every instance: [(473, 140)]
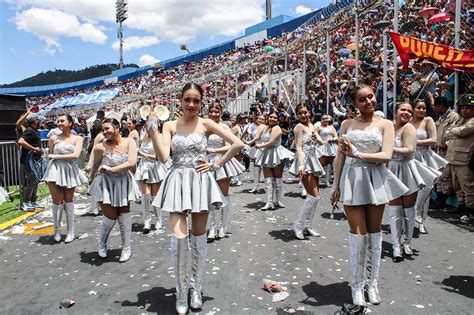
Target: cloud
[(146, 60), (302, 10), (50, 25), (176, 21), (135, 42)]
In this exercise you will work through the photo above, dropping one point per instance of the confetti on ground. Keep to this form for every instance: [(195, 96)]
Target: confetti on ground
[(92, 293), (418, 305)]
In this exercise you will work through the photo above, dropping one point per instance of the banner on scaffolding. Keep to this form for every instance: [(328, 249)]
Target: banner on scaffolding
[(448, 57)]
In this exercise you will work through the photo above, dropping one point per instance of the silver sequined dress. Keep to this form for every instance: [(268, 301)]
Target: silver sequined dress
[(150, 171), (364, 182), (414, 174), (311, 155), (64, 173), (425, 155), (184, 189), (231, 168), (274, 156), (116, 189), (329, 148)]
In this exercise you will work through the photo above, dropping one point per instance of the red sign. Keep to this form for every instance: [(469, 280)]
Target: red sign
[(448, 57)]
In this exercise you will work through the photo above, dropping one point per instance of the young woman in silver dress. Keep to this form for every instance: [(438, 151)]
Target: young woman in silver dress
[(364, 185), (308, 168), (271, 156), (190, 188), (426, 136), (414, 174), (328, 148), (113, 185), (150, 172), (216, 147), (63, 175), (250, 151)]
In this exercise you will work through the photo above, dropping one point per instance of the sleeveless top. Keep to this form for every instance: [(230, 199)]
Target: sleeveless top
[(113, 159), (326, 133), (422, 134), (188, 149), (61, 147), (266, 137), (366, 141)]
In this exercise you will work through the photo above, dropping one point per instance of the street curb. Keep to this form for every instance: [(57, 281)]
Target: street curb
[(12, 222)]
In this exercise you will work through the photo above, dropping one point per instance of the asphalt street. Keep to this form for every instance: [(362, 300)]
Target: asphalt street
[(37, 273)]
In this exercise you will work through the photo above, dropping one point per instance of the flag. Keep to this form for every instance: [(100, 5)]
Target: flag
[(447, 56)]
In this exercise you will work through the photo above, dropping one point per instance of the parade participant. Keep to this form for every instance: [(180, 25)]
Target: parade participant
[(307, 166), (328, 148), (460, 155), (189, 187), (365, 185), (447, 119), (251, 150), (150, 172), (271, 157), (133, 132), (114, 186), (63, 175), (237, 130), (426, 136), (414, 174), (215, 148)]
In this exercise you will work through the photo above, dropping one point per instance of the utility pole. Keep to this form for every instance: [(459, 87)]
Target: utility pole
[(268, 9), (120, 16)]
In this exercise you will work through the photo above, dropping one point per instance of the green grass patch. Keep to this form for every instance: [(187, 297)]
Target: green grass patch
[(11, 209)]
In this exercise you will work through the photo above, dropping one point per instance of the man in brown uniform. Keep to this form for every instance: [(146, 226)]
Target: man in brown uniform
[(460, 147), (447, 119)]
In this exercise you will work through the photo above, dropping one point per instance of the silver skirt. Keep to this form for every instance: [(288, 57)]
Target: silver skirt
[(64, 173), (186, 190), (115, 190), (364, 183)]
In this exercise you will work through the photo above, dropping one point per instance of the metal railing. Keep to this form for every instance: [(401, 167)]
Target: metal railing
[(10, 166), (236, 106)]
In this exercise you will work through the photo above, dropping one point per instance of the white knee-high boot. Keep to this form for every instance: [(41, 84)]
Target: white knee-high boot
[(159, 218), (211, 224), (304, 216), (421, 206), (125, 221), (225, 216), (179, 257), (357, 252), (409, 219), (146, 213), (57, 211), (374, 251), (396, 222), (269, 188), (69, 209), (256, 178), (199, 252), (328, 174), (105, 227), (278, 188), (310, 216)]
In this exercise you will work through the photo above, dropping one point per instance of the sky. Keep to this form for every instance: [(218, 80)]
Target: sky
[(41, 35)]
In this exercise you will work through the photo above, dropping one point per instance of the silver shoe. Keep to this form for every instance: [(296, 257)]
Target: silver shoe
[(422, 228), (125, 221), (105, 228), (69, 207), (179, 257), (57, 211), (373, 266), (357, 252), (199, 253), (407, 249), (254, 190)]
